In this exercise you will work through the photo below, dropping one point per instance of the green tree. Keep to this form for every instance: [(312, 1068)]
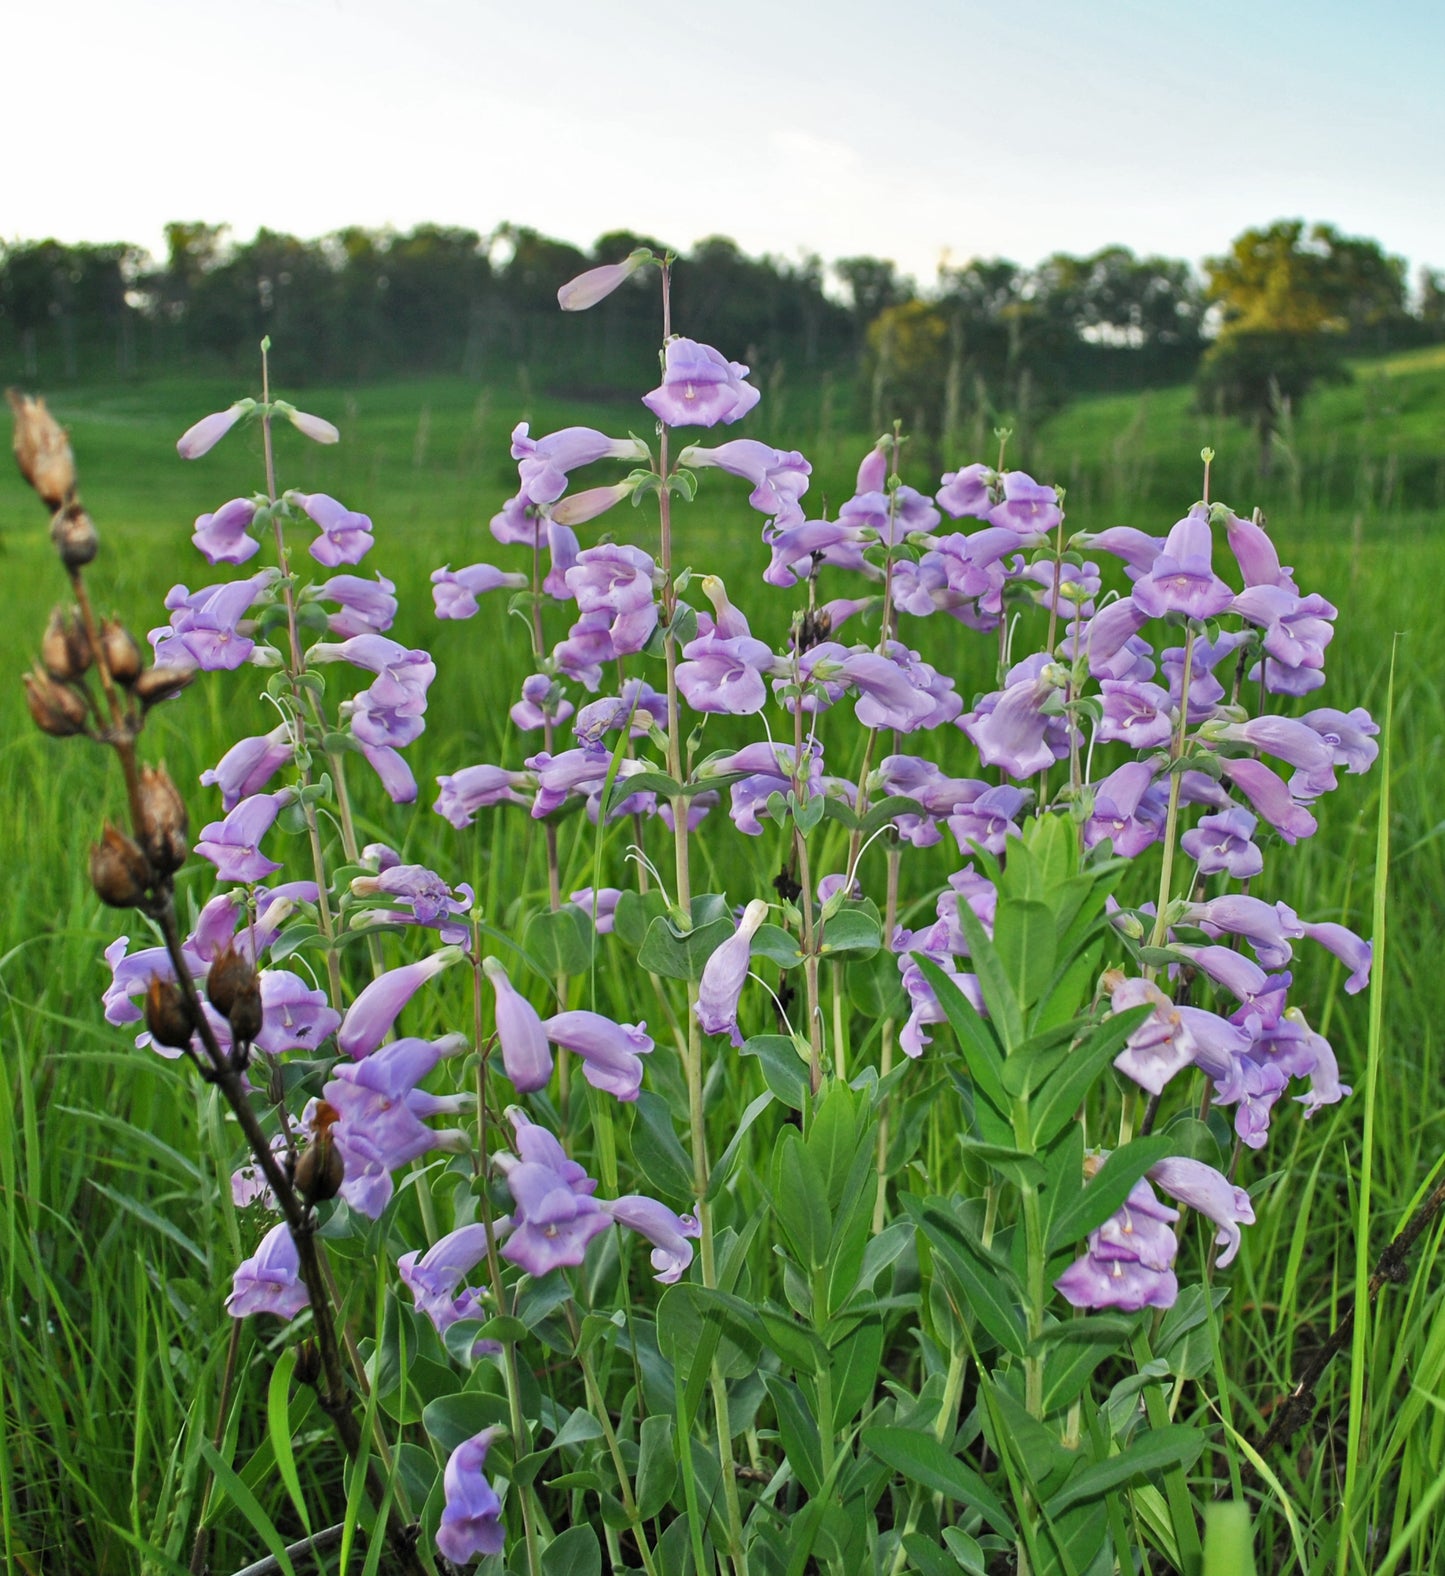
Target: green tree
[(1291, 301)]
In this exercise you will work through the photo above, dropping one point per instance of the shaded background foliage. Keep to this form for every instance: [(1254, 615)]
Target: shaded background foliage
[(1265, 323)]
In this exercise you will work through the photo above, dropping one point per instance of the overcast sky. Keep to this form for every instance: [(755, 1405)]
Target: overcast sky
[(910, 129)]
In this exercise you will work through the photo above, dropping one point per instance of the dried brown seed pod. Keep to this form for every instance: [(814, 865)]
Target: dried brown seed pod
[(56, 708), (168, 1014), (121, 653), (233, 988), (118, 869), (163, 824), (74, 534), (320, 1171), (308, 1362), (161, 683), (42, 449), (65, 646)]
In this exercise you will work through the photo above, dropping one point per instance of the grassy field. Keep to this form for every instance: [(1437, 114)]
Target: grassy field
[(116, 1237)]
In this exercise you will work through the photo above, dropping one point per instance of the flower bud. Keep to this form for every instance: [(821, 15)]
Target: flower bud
[(163, 824), (73, 532), (65, 647), (120, 651), (56, 708), (161, 683), (42, 449), (168, 1014), (234, 990), (118, 869)]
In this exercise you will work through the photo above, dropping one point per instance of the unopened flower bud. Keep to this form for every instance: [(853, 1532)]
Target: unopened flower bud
[(121, 653), (65, 647), (163, 822), (168, 1014), (234, 990), (56, 708), (42, 449), (118, 869), (162, 683), (73, 532)]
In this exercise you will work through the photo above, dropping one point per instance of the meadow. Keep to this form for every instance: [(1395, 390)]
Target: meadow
[(117, 1235)]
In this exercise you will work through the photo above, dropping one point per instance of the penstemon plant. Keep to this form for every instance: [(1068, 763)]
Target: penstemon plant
[(912, 1194)]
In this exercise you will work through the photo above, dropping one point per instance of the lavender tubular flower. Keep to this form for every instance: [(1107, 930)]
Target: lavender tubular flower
[(455, 592), (1201, 1187), (433, 1277), (667, 1232), (526, 1056), (221, 537), (368, 607), (700, 387), (477, 788), (249, 765), (1182, 579), (779, 477), (209, 430), (471, 1515), (724, 974), (544, 463), (1130, 1258), (345, 535), (611, 1052), (270, 1280), (370, 1017), (232, 845), (596, 284)]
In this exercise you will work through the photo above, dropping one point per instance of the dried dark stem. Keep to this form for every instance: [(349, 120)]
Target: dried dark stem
[(1294, 1410)]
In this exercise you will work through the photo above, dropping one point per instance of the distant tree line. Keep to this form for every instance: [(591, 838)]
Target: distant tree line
[(1264, 322)]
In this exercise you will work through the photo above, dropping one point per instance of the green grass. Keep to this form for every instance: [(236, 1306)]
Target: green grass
[(116, 1235)]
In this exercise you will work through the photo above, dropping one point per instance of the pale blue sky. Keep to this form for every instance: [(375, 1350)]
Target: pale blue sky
[(911, 129)]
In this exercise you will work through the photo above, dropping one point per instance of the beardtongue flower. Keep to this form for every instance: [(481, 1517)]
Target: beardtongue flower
[(317, 428), (1028, 507), (966, 492), (370, 1017), (367, 607), (455, 592), (596, 284), (293, 1016), (221, 537), (475, 788), (1223, 843), (380, 1123), (700, 387), (209, 430), (544, 463), (471, 1519), (667, 1232), (555, 1215), (722, 675), (433, 1277), (779, 476), (249, 765), (1182, 579), (1201, 1187), (345, 535), (526, 1055), (203, 628), (232, 845), (611, 1052), (724, 974), (1130, 1258), (270, 1280)]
